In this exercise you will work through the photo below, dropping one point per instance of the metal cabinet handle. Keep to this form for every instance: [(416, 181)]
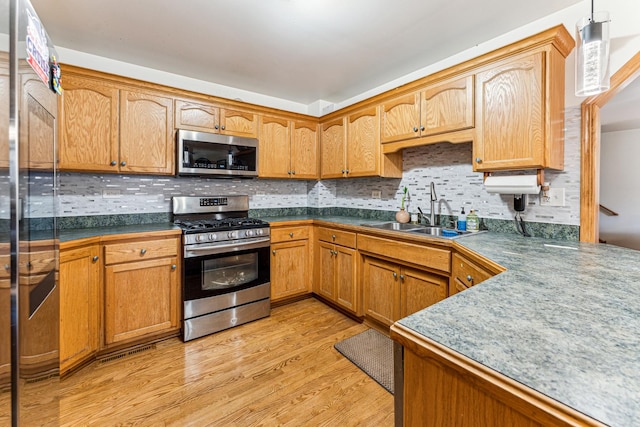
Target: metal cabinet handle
[(415, 129), (347, 171), (469, 278), (216, 127), (478, 160), (293, 172), (6, 267), (96, 258), (402, 277), (123, 163), (422, 128), (223, 127), (173, 266), (395, 274), (289, 172), (273, 251), (290, 234), (29, 265), (343, 171), (113, 163), (333, 237), (143, 251)]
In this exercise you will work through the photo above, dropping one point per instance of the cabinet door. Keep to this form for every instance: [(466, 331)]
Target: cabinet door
[(79, 305), (333, 149), (238, 123), (400, 118), (346, 281), (363, 147), (275, 142), (88, 125), (141, 298), (146, 133), (195, 116), (510, 115), (37, 124), (289, 269), (447, 106), (304, 150), (325, 285), (380, 282), (419, 289)]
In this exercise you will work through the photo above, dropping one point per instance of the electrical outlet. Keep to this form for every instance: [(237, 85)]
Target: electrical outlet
[(554, 197), (110, 193), (376, 194)]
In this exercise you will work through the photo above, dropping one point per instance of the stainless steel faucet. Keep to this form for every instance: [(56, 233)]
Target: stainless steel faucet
[(432, 212)]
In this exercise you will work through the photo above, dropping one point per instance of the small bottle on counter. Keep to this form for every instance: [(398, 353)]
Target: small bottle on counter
[(462, 221), (473, 222), (414, 218)]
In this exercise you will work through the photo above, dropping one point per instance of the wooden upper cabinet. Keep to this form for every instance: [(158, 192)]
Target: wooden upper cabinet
[(520, 113), (333, 161), (196, 116), (447, 106), (37, 124), (238, 123), (275, 144), (304, 150), (400, 118), (89, 122), (146, 133), (363, 143)]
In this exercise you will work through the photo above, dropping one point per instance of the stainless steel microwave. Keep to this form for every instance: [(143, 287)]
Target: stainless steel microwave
[(212, 154)]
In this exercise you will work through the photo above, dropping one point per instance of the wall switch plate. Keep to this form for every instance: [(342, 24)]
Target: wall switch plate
[(110, 193), (376, 194), (554, 197)]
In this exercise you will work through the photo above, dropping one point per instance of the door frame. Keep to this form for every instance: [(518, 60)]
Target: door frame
[(590, 141)]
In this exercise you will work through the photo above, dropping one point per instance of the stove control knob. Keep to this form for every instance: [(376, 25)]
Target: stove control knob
[(232, 234), (259, 231), (212, 237), (200, 237), (248, 233)]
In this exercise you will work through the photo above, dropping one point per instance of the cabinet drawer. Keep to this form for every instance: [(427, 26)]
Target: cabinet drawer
[(466, 272), (424, 256), (37, 262), (287, 234), (5, 262), (136, 251), (342, 238)]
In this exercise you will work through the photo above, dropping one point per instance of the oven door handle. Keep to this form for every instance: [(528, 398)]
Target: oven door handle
[(231, 247)]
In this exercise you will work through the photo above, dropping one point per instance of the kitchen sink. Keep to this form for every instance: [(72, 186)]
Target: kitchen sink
[(396, 226), (439, 231)]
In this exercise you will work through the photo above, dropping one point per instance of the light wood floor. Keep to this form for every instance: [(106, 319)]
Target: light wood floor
[(282, 370)]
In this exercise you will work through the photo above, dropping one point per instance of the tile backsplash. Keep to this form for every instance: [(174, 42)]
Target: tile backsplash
[(447, 165)]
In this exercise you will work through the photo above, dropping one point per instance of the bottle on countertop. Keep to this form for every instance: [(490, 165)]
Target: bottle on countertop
[(473, 222), (462, 221)]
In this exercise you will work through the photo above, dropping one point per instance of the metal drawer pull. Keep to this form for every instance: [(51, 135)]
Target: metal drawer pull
[(123, 163), (333, 236), (415, 129), (143, 251), (469, 278), (274, 251), (6, 267), (96, 258), (113, 163), (402, 277), (173, 266), (290, 234), (395, 274), (29, 265)]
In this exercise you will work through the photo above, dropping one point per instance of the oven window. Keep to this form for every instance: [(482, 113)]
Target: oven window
[(233, 270)]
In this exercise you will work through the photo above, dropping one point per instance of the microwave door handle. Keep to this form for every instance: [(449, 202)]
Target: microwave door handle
[(231, 247)]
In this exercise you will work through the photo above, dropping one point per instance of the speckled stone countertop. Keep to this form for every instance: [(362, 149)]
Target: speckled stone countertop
[(564, 320)]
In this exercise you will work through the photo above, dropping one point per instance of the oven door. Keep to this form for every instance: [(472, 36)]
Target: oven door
[(214, 274)]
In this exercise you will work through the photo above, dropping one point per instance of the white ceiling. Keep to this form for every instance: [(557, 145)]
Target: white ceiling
[(623, 111), (299, 50)]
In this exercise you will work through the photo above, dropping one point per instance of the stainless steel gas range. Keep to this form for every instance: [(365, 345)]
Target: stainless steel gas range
[(226, 270)]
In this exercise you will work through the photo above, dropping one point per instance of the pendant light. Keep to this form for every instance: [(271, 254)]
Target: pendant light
[(592, 59)]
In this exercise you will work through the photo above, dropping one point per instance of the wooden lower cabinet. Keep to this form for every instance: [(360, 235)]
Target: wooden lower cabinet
[(80, 273), (141, 290), (337, 269), (393, 291), (290, 262)]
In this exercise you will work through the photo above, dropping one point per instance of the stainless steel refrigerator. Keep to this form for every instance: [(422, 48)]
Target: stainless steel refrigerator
[(29, 294)]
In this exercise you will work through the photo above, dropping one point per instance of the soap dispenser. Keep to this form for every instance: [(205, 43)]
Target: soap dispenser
[(462, 221)]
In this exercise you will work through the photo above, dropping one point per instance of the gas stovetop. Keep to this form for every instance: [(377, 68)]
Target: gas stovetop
[(190, 226)]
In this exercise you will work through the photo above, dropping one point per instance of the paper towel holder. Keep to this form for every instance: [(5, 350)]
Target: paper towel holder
[(539, 174)]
